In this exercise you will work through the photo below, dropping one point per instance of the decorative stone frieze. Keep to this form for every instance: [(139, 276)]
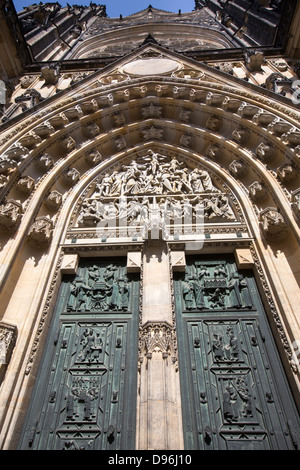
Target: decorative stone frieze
[(247, 111), (26, 184), (273, 224), (258, 191), (40, 232), (7, 165), (58, 121), (3, 179), (231, 104), (10, 215), (263, 118), (53, 200)]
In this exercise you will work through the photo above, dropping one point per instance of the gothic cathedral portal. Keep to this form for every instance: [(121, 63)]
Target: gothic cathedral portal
[(149, 228)]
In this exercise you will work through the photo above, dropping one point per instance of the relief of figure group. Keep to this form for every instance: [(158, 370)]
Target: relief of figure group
[(204, 289), (175, 189), (103, 290)]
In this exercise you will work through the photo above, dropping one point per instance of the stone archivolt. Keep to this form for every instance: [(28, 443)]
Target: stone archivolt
[(217, 122)]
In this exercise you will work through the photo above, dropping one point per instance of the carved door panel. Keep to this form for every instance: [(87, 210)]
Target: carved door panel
[(235, 393), (85, 395)]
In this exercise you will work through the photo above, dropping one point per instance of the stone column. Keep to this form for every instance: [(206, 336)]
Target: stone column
[(159, 421)]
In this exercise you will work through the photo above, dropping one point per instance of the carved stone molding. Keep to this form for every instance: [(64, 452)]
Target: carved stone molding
[(53, 200), (94, 157), (241, 135), (26, 184), (153, 133), (40, 232), (265, 152), (214, 152), (185, 139), (71, 176), (8, 337), (296, 201), (157, 337), (273, 224), (45, 162), (68, 144), (91, 130), (214, 123), (119, 142), (287, 172), (10, 215), (238, 168)]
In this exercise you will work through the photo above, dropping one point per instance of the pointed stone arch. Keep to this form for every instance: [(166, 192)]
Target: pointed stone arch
[(248, 142)]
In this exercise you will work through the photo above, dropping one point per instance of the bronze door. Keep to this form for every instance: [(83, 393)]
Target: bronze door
[(85, 393), (235, 394)]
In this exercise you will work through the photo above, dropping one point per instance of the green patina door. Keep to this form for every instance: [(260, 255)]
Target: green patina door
[(85, 394), (235, 393)]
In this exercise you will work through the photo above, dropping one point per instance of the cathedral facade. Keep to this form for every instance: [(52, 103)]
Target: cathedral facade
[(149, 227)]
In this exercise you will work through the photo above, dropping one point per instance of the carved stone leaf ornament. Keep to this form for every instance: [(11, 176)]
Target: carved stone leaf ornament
[(273, 224), (40, 232), (10, 215)]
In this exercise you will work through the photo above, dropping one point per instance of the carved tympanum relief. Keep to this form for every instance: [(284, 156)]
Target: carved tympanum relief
[(157, 190)]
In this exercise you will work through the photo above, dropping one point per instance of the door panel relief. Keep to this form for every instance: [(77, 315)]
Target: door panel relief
[(86, 389), (236, 393)]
